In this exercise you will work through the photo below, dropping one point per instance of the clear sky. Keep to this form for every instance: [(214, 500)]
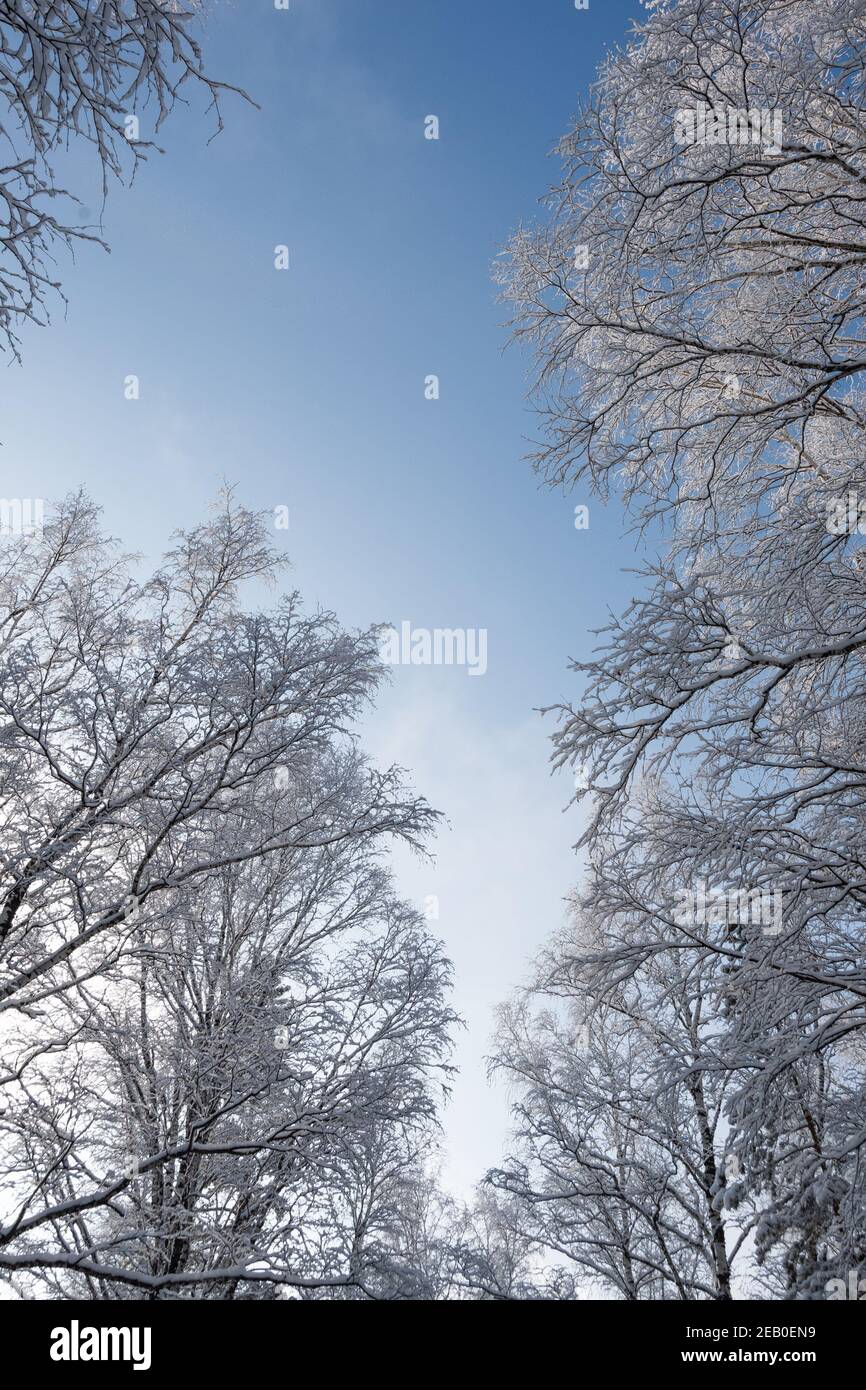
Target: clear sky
[(307, 389)]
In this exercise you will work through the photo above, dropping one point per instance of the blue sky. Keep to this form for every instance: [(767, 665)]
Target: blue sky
[(306, 388)]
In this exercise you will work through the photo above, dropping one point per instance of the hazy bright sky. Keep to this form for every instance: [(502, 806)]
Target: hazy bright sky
[(306, 387)]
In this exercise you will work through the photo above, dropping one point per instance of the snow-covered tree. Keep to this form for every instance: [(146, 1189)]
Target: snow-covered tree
[(620, 1169), (695, 301), (83, 71), (215, 1012)]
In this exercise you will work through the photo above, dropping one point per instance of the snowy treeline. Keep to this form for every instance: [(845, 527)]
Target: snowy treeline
[(691, 1085)]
